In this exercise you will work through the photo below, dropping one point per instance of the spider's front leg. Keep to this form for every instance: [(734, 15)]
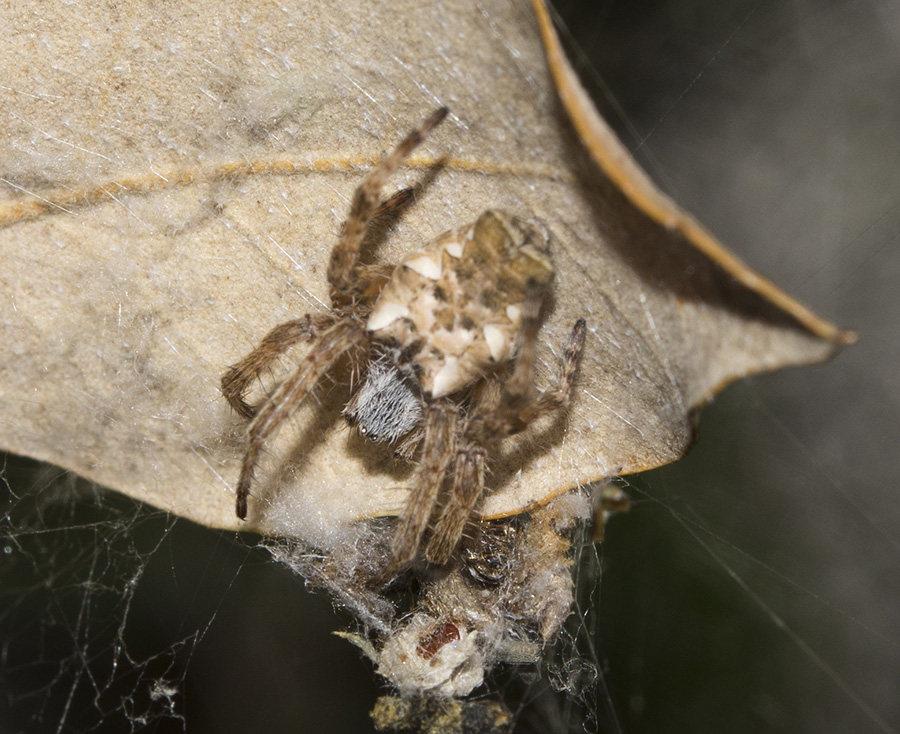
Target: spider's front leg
[(337, 340), (238, 377), (366, 205)]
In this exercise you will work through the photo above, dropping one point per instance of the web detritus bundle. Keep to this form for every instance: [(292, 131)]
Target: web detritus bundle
[(502, 601)]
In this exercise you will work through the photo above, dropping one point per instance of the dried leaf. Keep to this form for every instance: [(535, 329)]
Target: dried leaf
[(173, 188)]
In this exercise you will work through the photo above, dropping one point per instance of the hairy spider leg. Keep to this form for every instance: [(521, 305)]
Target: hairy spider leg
[(518, 407), (394, 201), (468, 480), (519, 388), (557, 397), (468, 484), (342, 271), (441, 419), (516, 410), (237, 379), (338, 339)]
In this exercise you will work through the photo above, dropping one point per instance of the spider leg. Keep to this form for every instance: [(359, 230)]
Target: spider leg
[(337, 340), (365, 206), (440, 438), (518, 389), (393, 202), (518, 406), (558, 396), (468, 483), (238, 377)]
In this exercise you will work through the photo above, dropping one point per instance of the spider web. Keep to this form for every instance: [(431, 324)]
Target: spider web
[(753, 585), (72, 620)]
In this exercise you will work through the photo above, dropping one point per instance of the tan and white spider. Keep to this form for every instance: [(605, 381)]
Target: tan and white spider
[(434, 335)]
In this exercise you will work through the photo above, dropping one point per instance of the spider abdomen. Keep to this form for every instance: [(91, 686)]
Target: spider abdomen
[(457, 306)]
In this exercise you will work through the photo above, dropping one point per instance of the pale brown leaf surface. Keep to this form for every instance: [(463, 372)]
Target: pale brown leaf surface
[(174, 185)]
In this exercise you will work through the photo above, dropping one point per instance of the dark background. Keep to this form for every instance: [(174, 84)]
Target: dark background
[(755, 586)]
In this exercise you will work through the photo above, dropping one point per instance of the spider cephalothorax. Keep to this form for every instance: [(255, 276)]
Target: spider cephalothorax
[(432, 335)]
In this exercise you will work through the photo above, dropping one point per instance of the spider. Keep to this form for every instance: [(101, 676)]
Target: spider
[(447, 339)]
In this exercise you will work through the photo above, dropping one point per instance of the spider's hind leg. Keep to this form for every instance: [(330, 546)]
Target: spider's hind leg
[(518, 406), (516, 409), (557, 397), (468, 484), (441, 420)]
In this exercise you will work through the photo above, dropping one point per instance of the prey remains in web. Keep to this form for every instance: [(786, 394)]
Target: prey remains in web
[(444, 344)]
